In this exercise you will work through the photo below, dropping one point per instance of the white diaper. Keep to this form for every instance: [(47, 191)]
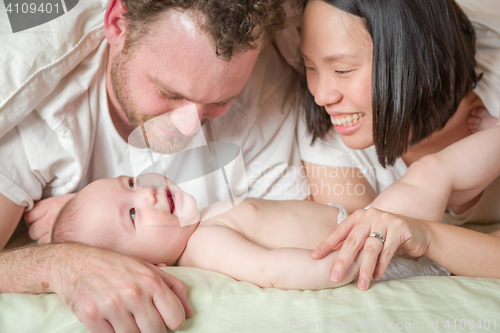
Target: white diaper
[(400, 268), (342, 212)]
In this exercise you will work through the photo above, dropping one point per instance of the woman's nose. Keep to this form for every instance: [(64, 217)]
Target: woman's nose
[(326, 93)]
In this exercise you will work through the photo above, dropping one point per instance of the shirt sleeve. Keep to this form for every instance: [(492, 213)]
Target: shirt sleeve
[(17, 181)]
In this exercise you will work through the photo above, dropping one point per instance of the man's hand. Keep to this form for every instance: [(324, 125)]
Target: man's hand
[(41, 218), (107, 292)]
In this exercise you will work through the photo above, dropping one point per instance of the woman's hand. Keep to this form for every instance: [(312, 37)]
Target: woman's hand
[(43, 215), (401, 234)]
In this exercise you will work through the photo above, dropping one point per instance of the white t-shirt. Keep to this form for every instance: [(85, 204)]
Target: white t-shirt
[(331, 151), (70, 140)]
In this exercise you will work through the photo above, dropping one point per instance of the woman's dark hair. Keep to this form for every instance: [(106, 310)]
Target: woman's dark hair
[(423, 66)]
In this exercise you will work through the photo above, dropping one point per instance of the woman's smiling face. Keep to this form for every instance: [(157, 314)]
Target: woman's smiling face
[(338, 51)]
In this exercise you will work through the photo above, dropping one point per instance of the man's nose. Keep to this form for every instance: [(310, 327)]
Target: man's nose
[(187, 119)]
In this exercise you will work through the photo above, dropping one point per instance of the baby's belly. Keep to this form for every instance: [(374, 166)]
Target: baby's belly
[(302, 226)]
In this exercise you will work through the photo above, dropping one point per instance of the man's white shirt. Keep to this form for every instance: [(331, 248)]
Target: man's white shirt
[(70, 140)]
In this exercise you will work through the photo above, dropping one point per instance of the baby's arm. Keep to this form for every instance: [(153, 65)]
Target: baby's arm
[(223, 250), (449, 178)]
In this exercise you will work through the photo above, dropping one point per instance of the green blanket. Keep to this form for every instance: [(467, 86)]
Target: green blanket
[(221, 304)]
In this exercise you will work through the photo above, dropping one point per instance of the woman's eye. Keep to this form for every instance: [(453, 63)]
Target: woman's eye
[(131, 183), (132, 214), (343, 72)]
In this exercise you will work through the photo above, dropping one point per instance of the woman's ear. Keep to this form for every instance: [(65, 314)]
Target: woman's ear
[(114, 22), (161, 265)]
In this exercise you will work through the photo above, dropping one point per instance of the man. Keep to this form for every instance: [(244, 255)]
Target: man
[(162, 57)]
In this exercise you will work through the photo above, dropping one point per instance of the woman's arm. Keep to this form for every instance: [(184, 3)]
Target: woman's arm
[(223, 250), (452, 177), (462, 251)]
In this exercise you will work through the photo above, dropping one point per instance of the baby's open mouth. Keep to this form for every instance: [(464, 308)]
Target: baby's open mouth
[(170, 200)]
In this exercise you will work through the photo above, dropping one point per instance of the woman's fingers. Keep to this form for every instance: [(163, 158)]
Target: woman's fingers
[(391, 246), (334, 239), (350, 249), (372, 248)]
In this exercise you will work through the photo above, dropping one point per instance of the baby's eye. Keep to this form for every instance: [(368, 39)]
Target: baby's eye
[(131, 182), (132, 214)]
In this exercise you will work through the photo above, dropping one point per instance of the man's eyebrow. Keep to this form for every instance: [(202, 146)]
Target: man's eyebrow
[(176, 94), (167, 90)]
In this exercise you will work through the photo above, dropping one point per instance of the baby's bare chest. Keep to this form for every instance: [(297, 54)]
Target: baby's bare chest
[(273, 224)]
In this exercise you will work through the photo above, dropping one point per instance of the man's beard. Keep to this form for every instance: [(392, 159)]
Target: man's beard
[(153, 138)]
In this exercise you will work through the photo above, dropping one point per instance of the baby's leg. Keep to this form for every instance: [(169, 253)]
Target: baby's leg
[(480, 119)]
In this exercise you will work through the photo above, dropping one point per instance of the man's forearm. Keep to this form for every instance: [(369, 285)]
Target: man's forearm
[(30, 269)]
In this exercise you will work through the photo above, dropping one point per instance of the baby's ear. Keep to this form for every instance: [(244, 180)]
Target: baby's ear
[(161, 265)]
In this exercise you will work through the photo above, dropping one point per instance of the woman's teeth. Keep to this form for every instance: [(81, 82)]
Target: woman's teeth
[(348, 121)]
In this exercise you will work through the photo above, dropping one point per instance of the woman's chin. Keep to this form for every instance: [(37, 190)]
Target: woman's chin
[(357, 142)]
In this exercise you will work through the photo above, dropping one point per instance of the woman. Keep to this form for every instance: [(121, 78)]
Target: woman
[(398, 80)]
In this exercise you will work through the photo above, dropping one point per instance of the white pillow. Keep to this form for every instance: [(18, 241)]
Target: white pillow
[(33, 61)]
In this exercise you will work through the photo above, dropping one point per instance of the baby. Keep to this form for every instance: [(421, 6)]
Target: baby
[(264, 242)]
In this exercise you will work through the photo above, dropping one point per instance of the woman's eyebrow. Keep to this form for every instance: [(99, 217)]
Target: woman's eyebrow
[(340, 56), (335, 57)]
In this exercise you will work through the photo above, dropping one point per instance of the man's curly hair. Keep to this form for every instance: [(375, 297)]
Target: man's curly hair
[(234, 25)]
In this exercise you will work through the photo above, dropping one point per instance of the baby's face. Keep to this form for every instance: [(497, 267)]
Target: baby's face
[(144, 223)]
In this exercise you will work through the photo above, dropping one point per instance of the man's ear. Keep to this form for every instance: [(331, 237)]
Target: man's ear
[(114, 22), (161, 265)]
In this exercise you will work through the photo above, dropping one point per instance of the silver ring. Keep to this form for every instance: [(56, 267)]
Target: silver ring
[(377, 236)]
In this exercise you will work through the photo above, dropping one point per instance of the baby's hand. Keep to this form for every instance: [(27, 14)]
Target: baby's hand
[(480, 120), (41, 218)]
